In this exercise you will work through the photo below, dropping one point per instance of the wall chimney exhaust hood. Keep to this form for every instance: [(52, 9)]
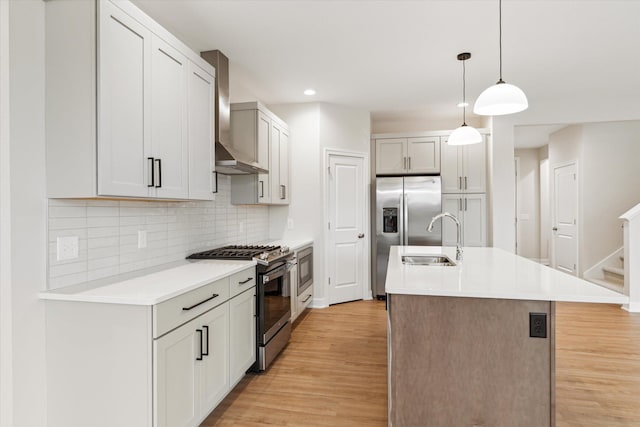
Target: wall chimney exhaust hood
[(229, 161)]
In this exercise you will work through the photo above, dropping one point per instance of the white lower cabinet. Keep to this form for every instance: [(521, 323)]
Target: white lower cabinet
[(242, 340), (165, 365)]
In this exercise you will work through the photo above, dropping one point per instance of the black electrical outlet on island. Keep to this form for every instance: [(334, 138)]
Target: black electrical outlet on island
[(538, 325)]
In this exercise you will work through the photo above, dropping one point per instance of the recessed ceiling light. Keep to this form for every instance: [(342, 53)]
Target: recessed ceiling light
[(309, 92), (463, 104)]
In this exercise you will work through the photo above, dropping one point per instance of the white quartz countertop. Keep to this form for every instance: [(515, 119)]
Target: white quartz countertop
[(151, 288), (489, 273), (294, 245)]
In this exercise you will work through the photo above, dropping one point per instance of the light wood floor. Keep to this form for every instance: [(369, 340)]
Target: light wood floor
[(333, 372)]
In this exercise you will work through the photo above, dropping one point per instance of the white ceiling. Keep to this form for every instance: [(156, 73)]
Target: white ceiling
[(534, 136), (396, 57)]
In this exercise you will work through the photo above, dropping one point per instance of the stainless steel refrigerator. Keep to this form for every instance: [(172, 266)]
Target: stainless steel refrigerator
[(404, 208)]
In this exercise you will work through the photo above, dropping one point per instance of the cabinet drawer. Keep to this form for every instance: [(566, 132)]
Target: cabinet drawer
[(242, 281), (170, 314), (305, 299)]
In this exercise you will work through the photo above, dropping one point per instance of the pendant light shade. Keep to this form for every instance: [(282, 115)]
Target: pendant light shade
[(501, 98), (464, 135)]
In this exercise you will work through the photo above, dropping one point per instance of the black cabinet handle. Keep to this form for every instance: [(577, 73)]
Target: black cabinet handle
[(206, 353), (153, 173), (199, 332), (307, 299), (245, 281), (216, 180), (261, 188), (159, 173), (283, 192), (200, 303)]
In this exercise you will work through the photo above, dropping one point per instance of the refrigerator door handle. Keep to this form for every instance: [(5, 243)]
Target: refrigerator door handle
[(401, 220), (405, 220)]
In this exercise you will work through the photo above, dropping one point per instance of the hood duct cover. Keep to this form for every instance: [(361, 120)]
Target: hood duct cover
[(228, 160)]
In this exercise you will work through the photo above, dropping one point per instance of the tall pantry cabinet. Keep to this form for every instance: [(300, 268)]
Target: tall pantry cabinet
[(464, 177), (124, 115)]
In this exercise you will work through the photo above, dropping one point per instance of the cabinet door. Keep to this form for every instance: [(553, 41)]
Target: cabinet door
[(474, 172), (475, 220), (201, 144), (169, 76), (264, 157), (242, 347), (450, 167), (213, 370), (124, 137), (391, 156), (284, 167), (274, 169), (451, 203), (423, 155), (176, 389)]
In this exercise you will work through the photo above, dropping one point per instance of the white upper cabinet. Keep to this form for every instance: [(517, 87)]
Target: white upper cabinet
[(123, 96), (391, 156), (119, 105), (201, 147), (260, 134), (463, 168), (401, 156), (169, 74)]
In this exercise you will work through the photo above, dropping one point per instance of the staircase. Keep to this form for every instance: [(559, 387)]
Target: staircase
[(612, 276), (609, 273)]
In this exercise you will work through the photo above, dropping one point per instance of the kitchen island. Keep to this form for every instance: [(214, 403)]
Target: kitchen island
[(474, 343)]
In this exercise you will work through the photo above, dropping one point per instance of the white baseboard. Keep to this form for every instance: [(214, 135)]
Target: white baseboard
[(632, 307), (319, 303)]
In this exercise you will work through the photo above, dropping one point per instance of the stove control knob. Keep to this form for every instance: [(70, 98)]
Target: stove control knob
[(284, 249), (264, 255)]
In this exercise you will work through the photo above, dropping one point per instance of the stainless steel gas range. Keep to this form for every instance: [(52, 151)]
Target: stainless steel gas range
[(273, 295)]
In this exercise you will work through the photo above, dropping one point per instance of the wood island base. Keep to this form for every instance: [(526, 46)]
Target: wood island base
[(463, 361)]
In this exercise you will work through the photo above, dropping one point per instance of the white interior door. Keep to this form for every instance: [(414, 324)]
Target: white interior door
[(347, 211), (565, 214)]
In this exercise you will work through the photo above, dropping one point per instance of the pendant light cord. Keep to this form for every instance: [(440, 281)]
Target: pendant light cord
[(464, 97), (500, 36)]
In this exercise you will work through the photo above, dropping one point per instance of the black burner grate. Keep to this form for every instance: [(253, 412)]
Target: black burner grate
[(240, 252)]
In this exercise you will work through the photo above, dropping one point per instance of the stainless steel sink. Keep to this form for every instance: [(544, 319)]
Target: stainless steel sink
[(435, 260)]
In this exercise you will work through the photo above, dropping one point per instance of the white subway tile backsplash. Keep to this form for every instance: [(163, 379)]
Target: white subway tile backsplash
[(108, 232)]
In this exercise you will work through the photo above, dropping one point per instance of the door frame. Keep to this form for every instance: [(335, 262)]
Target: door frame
[(517, 204), (552, 205), (366, 225), (6, 311)]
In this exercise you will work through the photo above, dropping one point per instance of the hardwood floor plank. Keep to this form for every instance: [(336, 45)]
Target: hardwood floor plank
[(334, 371)]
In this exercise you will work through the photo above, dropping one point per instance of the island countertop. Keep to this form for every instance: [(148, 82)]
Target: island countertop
[(489, 273)]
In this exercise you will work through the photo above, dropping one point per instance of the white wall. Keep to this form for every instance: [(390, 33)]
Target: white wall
[(556, 111), (315, 127), (528, 203), (610, 185), (6, 313), (28, 211), (608, 176), (418, 121), (545, 205)]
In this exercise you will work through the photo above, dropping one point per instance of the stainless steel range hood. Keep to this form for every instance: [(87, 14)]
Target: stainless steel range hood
[(229, 161)]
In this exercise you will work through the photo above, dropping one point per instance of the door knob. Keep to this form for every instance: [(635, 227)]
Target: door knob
[(555, 228), (360, 236)]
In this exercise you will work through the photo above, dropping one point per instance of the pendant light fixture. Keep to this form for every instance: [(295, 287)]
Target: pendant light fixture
[(464, 135), (501, 98)]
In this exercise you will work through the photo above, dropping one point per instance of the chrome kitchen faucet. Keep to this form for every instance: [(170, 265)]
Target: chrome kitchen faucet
[(458, 240)]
